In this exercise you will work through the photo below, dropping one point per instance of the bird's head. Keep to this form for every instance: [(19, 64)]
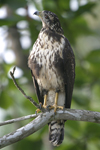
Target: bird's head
[(49, 20)]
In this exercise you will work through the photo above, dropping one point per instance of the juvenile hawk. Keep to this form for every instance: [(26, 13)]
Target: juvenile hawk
[(52, 64)]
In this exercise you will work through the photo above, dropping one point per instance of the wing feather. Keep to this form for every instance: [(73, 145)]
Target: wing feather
[(69, 72), (39, 95)]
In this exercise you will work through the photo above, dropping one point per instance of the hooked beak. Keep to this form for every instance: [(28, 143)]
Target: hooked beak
[(38, 13)]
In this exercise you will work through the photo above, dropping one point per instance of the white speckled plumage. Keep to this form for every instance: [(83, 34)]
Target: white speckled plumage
[(53, 69), (48, 79)]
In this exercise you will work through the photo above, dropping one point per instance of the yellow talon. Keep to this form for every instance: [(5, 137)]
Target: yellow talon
[(44, 105), (55, 106), (37, 110), (45, 101)]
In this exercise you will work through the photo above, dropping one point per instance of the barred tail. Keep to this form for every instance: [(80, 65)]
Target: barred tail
[(56, 132)]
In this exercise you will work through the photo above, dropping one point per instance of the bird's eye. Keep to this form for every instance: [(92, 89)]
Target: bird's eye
[(46, 16)]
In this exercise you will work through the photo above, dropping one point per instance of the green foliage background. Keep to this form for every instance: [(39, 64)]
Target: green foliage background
[(82, 28)]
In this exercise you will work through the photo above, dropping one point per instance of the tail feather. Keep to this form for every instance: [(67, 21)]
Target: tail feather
[(56, 132)]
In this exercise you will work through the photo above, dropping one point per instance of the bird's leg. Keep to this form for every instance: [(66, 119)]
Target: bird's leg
[(56, 103), (45, 101), (55, 106), (44, 104)]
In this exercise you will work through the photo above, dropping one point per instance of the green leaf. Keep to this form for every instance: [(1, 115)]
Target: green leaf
[(5, 100), (10, 21), (94, 57), (28, 144), (84, 9), (13, 4), (93, 130)]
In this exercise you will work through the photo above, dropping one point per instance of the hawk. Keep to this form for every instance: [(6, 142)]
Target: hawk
[(52, 64)]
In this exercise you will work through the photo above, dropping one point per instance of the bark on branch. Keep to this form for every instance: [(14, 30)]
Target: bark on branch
[(18, 119), (43, 119)]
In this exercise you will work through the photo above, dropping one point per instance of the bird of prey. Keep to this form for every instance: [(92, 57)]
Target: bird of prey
[(52, 64)]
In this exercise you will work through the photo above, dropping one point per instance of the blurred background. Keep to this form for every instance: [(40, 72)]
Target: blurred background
[(80, 20)]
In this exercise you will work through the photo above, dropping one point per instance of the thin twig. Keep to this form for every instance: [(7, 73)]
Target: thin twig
[(19, 88), (19, 119)]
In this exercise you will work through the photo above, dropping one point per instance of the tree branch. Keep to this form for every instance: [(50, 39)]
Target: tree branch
[(43, 119), (19, 119), (20, 89)]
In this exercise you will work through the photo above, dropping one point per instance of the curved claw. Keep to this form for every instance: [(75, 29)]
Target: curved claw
[(55, 107), (38, 110), (48, 107), (40, 104)]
